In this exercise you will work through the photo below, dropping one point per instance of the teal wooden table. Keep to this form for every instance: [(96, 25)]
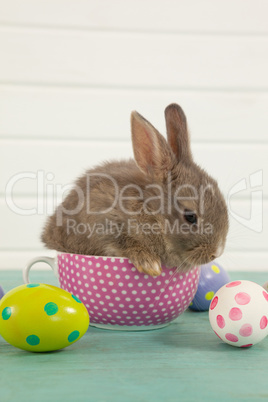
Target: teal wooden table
[(182, 362)]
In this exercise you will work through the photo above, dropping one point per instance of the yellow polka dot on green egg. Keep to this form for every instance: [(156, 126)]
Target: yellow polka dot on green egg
[(209, 295), (216, 269)]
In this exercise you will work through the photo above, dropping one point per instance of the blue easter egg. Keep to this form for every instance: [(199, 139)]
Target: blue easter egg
[(212, 278)]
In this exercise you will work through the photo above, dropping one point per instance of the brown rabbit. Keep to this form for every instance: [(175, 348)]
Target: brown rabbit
[(161, 209)]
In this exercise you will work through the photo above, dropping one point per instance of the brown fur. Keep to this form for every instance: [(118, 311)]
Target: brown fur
[(157, 162)]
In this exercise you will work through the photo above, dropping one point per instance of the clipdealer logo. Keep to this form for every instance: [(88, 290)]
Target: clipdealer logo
[(255, 220), (48, 195)]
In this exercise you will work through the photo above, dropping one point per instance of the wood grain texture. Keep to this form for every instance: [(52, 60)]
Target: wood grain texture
[(113, 59), (236, 16), (104, 114), (184, 361), (72, 71)]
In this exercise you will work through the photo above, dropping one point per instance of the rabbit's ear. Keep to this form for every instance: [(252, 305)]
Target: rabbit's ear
[(152, 153), (177, 132)]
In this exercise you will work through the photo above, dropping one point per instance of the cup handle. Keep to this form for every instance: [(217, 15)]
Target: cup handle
[(48, 260)]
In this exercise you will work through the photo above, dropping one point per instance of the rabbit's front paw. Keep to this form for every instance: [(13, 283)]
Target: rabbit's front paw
[(147, 264)]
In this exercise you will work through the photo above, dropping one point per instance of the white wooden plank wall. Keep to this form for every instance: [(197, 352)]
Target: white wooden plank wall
[(71, 71)]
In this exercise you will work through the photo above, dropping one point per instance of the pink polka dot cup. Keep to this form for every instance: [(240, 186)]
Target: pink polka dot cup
[(117, 296), (238, 313)]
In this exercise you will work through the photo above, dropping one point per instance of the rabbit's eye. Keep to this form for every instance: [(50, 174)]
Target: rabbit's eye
[(190, 216)]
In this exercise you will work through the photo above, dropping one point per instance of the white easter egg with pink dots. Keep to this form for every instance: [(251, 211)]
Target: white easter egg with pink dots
[(238, 313)]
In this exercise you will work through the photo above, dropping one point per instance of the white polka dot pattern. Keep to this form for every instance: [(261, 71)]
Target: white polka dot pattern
[(115, 293)]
